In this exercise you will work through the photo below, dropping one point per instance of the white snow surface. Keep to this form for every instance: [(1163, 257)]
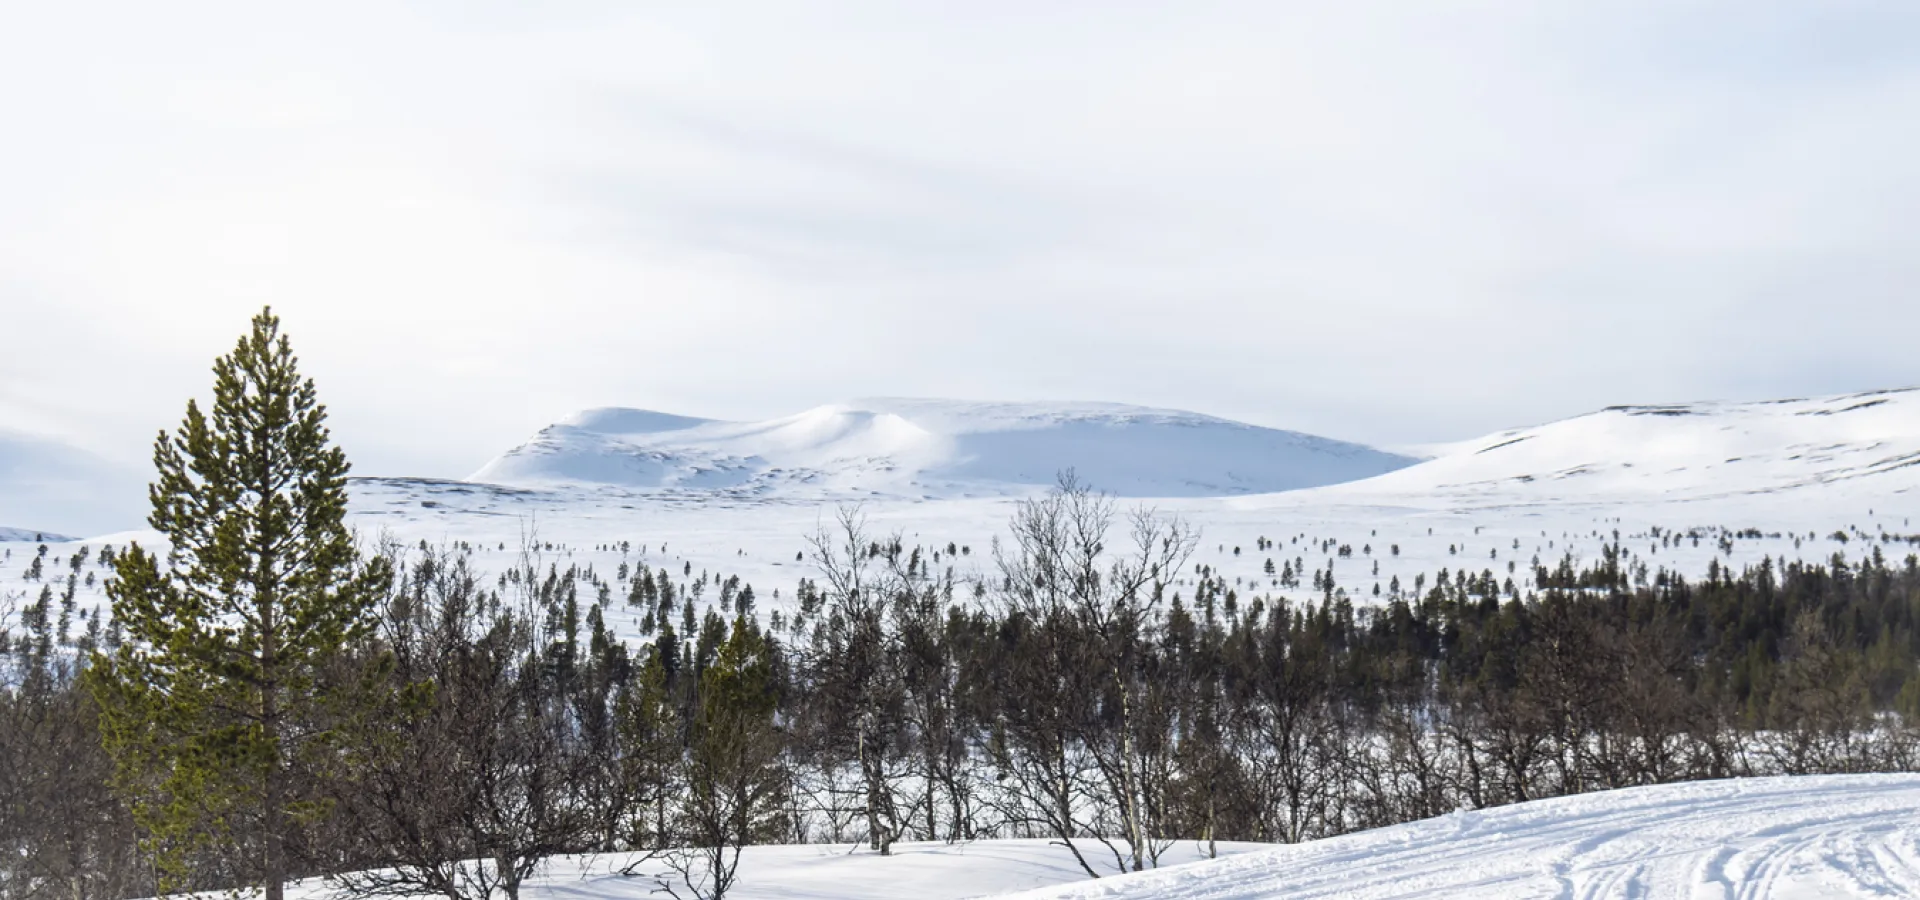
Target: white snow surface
[(1693, 451), (915, 871), (1784, 838), (932, 449), (1800, 838)]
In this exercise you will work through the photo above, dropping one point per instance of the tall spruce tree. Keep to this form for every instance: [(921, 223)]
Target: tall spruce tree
[(218, 703)]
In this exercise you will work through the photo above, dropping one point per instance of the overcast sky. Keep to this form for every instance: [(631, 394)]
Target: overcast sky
[(1386, 222)]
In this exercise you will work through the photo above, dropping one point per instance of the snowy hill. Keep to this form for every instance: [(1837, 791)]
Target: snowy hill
[(1861, 443), (1807, 837), (932, 449), (1865, 444)]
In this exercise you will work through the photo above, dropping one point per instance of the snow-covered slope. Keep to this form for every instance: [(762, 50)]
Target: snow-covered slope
[(1859, 443), (1783, 838), (929, 449)]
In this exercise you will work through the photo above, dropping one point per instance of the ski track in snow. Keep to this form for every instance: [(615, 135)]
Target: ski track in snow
[(1845, 836), (1784, 838)]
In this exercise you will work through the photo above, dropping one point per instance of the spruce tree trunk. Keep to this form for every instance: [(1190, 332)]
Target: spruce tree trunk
[(276, 868), (274, 818)]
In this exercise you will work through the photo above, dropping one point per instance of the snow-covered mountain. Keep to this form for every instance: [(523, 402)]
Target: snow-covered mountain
[(1856, 444), (933, 449)]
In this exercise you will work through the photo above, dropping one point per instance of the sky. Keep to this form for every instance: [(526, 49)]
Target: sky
[(1386, 222)]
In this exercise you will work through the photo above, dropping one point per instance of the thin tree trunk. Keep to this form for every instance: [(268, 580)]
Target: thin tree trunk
[(878, 838), (509, 875), (1064, 798), (274, 818), (1213, 849), (1130, 802), (933, 783)]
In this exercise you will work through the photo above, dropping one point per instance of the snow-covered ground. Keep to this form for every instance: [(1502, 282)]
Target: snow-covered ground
[(1807, 838), (1783, 838), (1687, 452), (915, 871)]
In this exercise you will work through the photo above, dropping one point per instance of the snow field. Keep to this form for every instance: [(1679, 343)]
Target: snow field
[(759, 541), (1800, 838), (915, 871)]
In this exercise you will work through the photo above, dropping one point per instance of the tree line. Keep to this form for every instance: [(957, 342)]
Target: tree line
[(271, 702)]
